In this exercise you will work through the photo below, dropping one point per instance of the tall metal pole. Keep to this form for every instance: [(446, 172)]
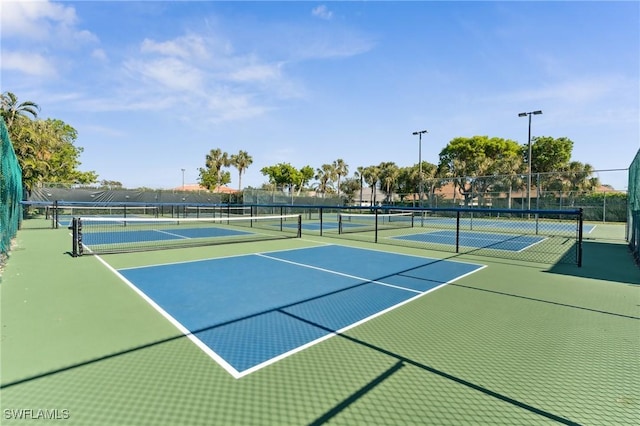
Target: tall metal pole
[(529, 159), (529, 164), (419, 133)]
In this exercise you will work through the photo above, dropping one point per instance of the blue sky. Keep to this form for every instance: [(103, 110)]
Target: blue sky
[(151, 87)]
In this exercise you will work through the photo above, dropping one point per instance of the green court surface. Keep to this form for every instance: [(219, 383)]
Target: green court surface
[(513, 343)]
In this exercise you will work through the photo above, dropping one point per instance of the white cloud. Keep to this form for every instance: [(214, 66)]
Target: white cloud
[(42, 21), (189, 46), (167, 73), (256, 72), (32, 64), (100, 55), (322, 12)]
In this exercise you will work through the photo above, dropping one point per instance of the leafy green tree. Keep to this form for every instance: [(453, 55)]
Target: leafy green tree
[(474, 162), (306, 174), (283, 175), (241, 161), (409, 180), (549, 154), (46, 152)]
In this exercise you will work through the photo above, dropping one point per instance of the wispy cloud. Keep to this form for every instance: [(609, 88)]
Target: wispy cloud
[(32, 64), (40, 33), (186, 47), (42, 21), (322, 12)]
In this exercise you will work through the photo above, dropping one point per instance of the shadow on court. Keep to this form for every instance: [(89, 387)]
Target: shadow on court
[(400, 361), (603, 261)]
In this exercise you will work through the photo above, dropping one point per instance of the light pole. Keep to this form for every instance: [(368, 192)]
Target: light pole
[(419, 133), (524, 114), (182, 179)]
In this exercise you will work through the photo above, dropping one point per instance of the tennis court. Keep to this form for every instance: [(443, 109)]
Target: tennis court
[(472, 239), (313, 329), (266, 306)]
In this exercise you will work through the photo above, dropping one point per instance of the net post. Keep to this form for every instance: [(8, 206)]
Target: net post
[(54, 216), (300, 226), (580, 226), (76, 236), (458, 231), (339, 223), (320, 212), (376, 227)]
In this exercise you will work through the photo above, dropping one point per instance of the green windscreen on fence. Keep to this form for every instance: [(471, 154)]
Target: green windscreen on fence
[(10, 191), (633, 223)]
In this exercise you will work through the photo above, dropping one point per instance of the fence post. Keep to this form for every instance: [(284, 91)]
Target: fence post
[(376, 226), (458, 231), (580, 223)]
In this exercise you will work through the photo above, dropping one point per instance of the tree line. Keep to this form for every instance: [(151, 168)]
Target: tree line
[(45, 148), (474, 165)]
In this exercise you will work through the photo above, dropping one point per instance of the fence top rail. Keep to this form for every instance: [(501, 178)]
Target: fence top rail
[(567, 211)]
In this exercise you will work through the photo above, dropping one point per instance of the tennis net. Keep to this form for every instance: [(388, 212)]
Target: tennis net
[(103, 235), (62, 214), (217, 211), (365, 222)]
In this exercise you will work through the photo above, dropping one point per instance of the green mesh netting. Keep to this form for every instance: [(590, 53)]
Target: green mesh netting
[(10, 191), (633, 230)]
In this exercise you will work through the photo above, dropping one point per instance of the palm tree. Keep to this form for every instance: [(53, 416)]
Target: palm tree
[(340, 168), (578, 178), (215, 161), (389, 173), (324, 176), (10, 108), (359, 175), (371, 176), (241, 161)]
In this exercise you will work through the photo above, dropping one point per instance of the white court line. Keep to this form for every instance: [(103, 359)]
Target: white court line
[(239, 374), (184, 330), (304, 265)]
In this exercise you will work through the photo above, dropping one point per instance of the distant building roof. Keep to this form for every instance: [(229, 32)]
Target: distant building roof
[(197, 187)]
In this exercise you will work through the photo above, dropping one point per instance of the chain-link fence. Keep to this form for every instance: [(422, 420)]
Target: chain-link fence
[(10, 192), (633, 223), (600, 201)]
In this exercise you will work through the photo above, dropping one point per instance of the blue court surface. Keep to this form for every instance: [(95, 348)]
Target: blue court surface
[(476, 239), (326, 226), (507, 225), (102, 238), (249, 311)]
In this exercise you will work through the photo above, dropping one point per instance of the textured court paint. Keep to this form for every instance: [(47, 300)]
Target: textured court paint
[(557, 338), (105, 238), (476, 239), (224, 302)]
